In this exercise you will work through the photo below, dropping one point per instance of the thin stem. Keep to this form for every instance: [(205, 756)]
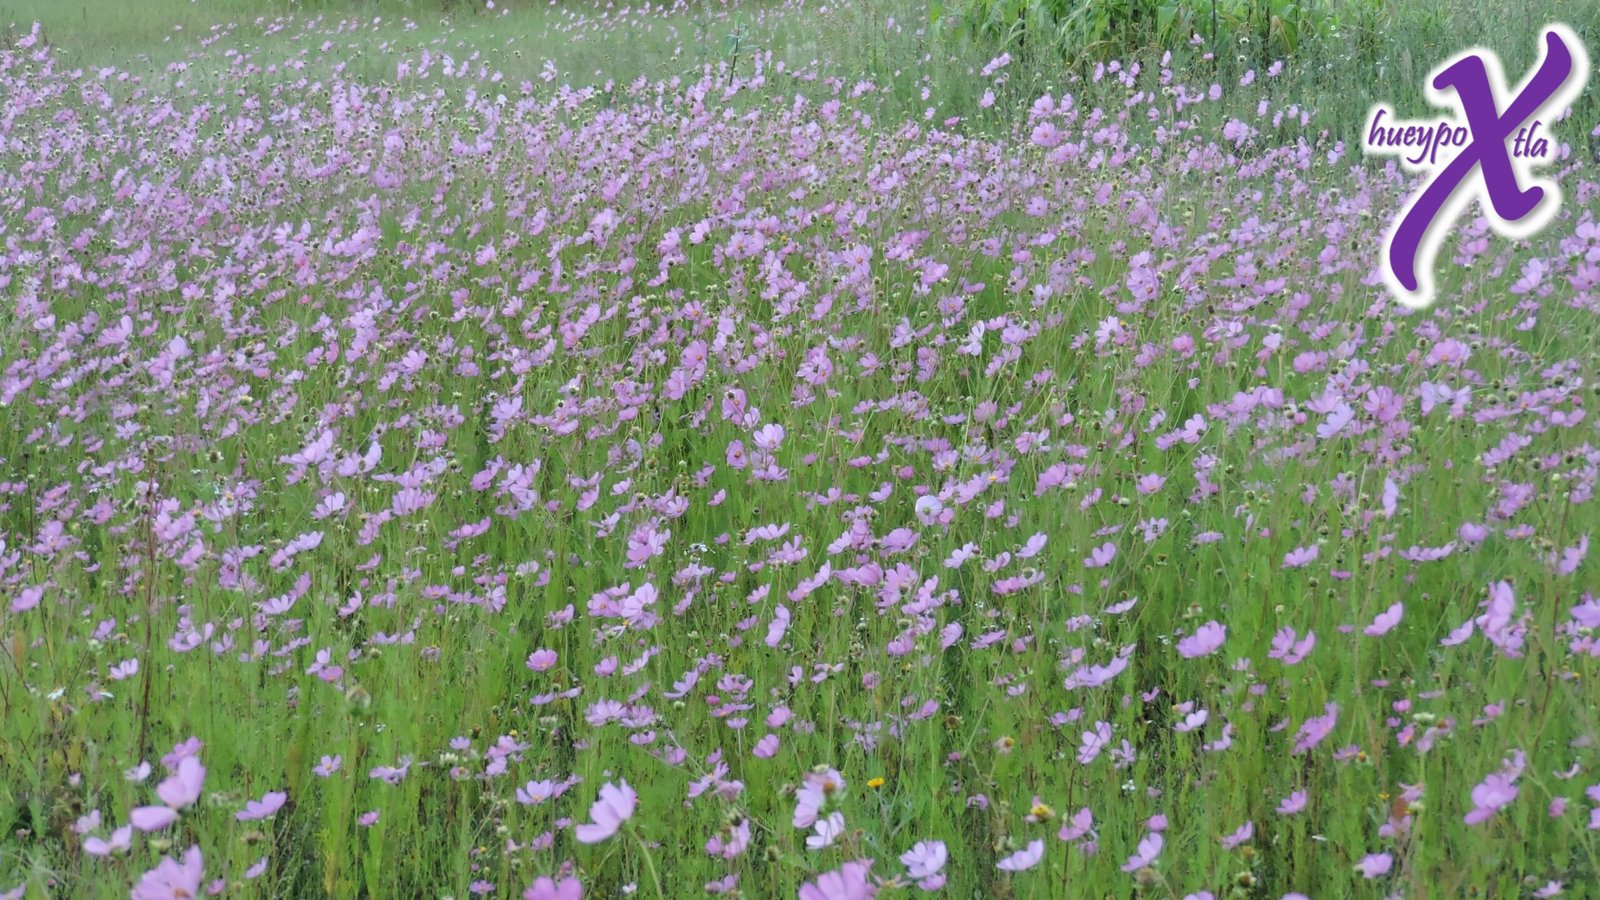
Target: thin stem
[(649, 863)]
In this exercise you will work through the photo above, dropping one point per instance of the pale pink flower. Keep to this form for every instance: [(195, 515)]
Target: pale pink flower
[(615, 806)]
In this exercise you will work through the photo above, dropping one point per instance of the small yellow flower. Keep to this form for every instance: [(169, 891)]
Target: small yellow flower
[(874, 783), (1042, 812)]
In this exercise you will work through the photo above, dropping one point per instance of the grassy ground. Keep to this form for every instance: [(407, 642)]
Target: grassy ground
[(1386, 49)]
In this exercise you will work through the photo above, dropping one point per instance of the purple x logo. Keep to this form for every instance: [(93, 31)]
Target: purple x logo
[(1497, 143)]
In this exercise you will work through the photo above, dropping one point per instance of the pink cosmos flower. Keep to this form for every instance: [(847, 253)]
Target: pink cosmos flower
[(768, 437), (849, 882), (1292, 803), (260, 809), (121, 840), (1024, 859), (1245, 832), (615, 806), (545, 888), (1374, 865), (1077, 826), (1205, 640), (813, 793), (152, 818), (183, 788), (1100, 556), (827, 831), (925, 860), (170, 880), (1496, 791), (1386, 620), (1145, 853)]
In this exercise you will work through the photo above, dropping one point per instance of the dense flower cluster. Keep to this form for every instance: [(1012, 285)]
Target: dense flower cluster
[(819, 502)]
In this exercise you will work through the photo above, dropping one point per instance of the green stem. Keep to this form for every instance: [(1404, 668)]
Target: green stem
[(650, 864)]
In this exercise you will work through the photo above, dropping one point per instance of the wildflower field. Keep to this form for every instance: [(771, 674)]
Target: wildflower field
[(771, 450)]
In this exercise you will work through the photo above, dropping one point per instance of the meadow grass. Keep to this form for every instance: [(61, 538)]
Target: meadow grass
[(1048, 419)]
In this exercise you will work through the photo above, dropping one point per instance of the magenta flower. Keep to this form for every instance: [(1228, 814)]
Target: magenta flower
[(615, 806)]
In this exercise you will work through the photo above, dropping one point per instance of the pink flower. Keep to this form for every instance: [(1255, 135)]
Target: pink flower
[(1315, 729), (813, 793), (615, 806), (1245, 832), (1145, 853), (1496, 791), (1375, 864), (769, 437), (183, 788), (827, 831), (1205, 640), (1386, 620), (170, 880), (541, 660), (121, 840), (849, 882), (1292, 803), (1100, 556), (152, 818), (925, 859), (1300, 557), (1077, 826), (1149, 484), (260, 809), (1023, 860), (545, 888)]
